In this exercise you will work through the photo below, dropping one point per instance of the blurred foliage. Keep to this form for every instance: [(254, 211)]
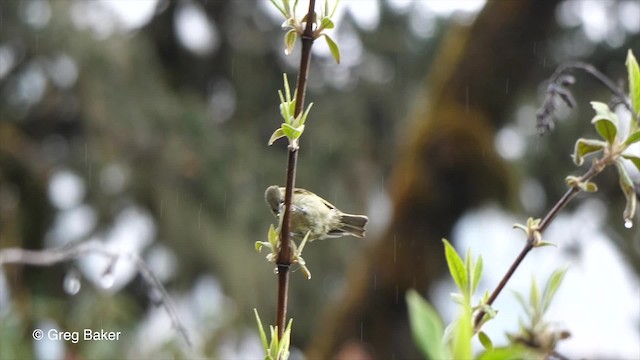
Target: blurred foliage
[(185, 134)]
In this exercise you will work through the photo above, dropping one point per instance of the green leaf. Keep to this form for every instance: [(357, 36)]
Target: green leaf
[(426, 327), (485, 340), (534, 295), (633, 138), (280, 8), (260, 244), (284, 107), (628, 188), (283, 346), (303, 119), (605, 121), (507, 353), (477, 275), (461, 341), (545, 243), (634, 82), (274, 236), (468, 265), (287, 89), (288, 131), (585, 147), (263, 335), (634, 159), (333, 46), (335, 7), (292, 132), (327, 23), (456, 267), (275, 136), (273, 345), (551, 287), (290, 41)]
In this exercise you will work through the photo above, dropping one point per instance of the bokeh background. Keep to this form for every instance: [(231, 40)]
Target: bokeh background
[(143, 124)]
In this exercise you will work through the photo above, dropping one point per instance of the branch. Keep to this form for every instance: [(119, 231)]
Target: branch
[(595, 169), (285, 255), (53, 256)]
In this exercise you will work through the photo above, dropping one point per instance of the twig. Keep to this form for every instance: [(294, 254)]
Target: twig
[(558, 87), (558, 356), (53, 256), (285, 255), (594, 170)]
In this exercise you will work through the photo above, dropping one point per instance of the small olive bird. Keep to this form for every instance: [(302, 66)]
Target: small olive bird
[(314, 215)]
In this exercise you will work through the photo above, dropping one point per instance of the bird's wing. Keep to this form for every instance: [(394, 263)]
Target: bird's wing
[(307, 192)]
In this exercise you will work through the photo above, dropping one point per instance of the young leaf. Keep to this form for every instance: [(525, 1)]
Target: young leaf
[(507, 353), (333, 47), (634, 82), (290, 41), (289, 131), (634, 159), (633, 138), (327, 23), (628, 188), (283, 346), (468, 265), (534, 295), (462, 337), (280, 8), (456, 267), (303, 119), (260, 244), (477, 275), (585, 147), (485, 340), (605, 121), (275, 136), (287, 89), (263, 336), (426, 327), (551, 287)]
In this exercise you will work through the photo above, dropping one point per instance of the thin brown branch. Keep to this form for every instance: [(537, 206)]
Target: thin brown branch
[(285, 254), (53, 256), (595, 169)]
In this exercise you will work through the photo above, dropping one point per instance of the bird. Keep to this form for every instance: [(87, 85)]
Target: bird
[(314, 215)]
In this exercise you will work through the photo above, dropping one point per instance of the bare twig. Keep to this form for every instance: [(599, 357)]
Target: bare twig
[(53, 256), (558, 88), (285, 255)]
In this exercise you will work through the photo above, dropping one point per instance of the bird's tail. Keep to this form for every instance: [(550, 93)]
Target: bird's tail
[(354, 224)]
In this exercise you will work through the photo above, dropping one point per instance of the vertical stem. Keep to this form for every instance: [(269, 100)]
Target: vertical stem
[(285, 255)]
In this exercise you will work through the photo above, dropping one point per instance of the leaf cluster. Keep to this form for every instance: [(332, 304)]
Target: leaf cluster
[(613, 146), (321, 21), (293, 126), (276, 349)]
